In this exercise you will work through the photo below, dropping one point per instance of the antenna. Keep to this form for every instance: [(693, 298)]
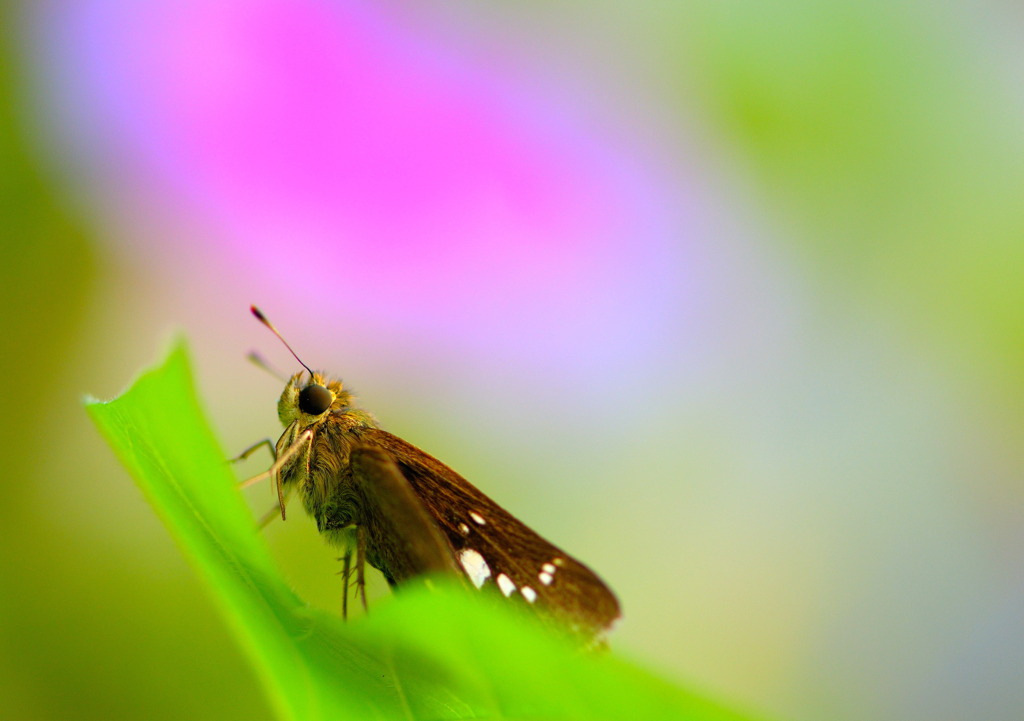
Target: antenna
[(261, 362), (263, 319)]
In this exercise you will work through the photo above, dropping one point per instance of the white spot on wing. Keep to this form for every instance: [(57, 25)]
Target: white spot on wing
[(463, 529), (549, 569), (477, 518), (505, 584), (529, 594), (475, 566), (545, 578)]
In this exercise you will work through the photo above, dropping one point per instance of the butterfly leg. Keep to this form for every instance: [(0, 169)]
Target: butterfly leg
[(269, 516), (253, 448), (361, 564), (303, 442), (346, 576)]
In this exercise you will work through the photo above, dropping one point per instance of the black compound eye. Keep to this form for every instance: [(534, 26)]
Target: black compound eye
[(314, 399)]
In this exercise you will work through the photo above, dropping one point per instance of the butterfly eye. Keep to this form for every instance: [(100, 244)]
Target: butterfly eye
[(314, 399)]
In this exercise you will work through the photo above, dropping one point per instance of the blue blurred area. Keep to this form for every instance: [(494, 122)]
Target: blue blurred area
[(725, 299)]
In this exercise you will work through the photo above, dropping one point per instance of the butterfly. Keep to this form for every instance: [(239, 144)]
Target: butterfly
[(409, 515)]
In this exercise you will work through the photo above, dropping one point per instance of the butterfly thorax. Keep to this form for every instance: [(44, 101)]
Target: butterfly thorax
[(320, 471)]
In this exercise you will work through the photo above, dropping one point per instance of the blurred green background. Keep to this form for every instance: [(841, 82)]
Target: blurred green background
[(782, 419)]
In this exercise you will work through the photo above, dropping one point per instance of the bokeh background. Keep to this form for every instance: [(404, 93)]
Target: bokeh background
[(725, 298)]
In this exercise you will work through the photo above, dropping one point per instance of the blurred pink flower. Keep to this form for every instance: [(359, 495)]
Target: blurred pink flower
[(368, 170)]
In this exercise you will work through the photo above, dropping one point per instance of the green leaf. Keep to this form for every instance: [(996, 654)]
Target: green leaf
[(424, 654)]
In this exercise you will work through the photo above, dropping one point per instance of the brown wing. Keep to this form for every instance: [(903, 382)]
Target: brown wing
[(415, 546), (497, 551)]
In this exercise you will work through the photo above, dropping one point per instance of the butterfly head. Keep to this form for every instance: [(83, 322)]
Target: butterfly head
[(308, 397)]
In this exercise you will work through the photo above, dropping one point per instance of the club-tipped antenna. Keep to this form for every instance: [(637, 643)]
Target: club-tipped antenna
[(263, 319)]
